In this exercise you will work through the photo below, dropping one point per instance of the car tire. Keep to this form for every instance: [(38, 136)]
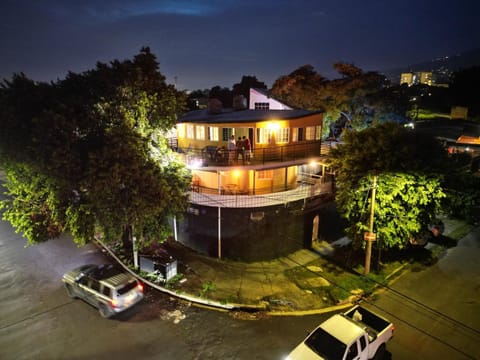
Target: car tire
[(381, 352), (105, 311), (70, 291)]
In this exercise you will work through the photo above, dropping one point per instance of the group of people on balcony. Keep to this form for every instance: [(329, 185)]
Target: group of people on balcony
[(240, 148)]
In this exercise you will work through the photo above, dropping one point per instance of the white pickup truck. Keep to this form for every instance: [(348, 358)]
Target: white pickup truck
[(358, 334)]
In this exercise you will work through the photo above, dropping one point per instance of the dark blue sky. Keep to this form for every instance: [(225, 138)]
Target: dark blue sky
[(200, 44)]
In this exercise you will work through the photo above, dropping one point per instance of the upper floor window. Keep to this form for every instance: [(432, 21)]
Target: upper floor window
[(262, 106), (190, 131), (181, 130), (213, 133), (200, 132), (226, 133), (271, 136), (297, 134), (264, 136), (283, 135), (310, 133)]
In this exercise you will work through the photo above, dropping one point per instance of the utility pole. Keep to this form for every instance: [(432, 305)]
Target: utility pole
[(370, 236)]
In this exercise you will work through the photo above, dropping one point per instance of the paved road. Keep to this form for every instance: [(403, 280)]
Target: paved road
[(437, 310)]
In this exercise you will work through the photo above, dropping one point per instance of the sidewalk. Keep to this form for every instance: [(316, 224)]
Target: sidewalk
[(265, 286), (262, 286)]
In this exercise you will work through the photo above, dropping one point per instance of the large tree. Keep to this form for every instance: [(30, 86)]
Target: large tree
[(88, 154), (302, 88), (347, 100), (409, 168)]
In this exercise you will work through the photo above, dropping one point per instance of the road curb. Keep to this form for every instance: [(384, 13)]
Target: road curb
[(216, 305)]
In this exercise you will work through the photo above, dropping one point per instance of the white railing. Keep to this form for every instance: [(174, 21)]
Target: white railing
[(303, 191)]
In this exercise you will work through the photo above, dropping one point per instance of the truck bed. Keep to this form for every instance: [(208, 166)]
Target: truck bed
[(373, 323)]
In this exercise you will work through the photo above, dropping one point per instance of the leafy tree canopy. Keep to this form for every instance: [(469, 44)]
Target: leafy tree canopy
[(247, 82), (409, 167), (347, 99), (88, 153)]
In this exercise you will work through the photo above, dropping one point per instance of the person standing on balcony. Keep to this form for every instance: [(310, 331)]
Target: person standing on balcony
[(231, 149), (247, 147), (240, 149)]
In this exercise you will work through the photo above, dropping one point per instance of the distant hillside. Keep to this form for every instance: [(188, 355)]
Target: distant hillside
[(441, 67)]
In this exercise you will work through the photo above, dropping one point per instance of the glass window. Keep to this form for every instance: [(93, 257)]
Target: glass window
[(265, 174), (352, 351), (213, 133), (295, 134), (283, 135), (181, 130), (190, 131), (95, 285), (265, 136), (106, 291), (310, 133), (127, 287), (226, 133), (363, 343), (200, 132), (262, 106), (318, 132)]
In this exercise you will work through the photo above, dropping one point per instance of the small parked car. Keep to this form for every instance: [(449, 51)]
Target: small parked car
[(108, 288)]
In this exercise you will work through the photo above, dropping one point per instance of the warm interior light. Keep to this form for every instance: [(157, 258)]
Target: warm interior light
[(273, 125)]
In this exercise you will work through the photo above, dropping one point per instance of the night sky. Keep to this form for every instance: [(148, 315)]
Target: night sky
[(200, 44)]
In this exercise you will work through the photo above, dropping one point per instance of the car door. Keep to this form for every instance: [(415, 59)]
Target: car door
[(352, 352), (87, 293)]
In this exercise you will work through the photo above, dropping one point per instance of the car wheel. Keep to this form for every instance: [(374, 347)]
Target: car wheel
[(70, 291), (105, 311), (381, 352)]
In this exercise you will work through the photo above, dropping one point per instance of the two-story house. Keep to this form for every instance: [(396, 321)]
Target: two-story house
[(258, 178)]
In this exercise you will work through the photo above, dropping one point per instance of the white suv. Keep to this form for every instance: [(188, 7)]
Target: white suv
[(106, 287)]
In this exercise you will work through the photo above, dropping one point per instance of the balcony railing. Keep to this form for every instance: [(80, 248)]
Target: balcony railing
[(240, 200), (220, 156)]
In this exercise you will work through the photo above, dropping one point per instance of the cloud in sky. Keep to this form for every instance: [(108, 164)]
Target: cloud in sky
[(208, 43)]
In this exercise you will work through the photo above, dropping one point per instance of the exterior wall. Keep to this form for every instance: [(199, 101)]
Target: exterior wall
[(256, 234), (246, 234), (258, 97), (241, 129), (244, 180)]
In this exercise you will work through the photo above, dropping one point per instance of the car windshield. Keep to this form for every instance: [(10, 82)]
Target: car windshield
[(325, 345), (127, 287)]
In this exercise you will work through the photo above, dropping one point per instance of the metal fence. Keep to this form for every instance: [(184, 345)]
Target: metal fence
[(304, 190)]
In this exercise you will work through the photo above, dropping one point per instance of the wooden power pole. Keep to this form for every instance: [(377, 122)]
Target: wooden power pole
[(370, 236)]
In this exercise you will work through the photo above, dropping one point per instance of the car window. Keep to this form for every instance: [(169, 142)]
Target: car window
[(106, 291), (363, 343), (127, 287), (83, 280), (352, 351), (95, 285)]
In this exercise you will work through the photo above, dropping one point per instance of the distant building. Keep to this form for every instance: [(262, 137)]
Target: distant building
[(414, 78)]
